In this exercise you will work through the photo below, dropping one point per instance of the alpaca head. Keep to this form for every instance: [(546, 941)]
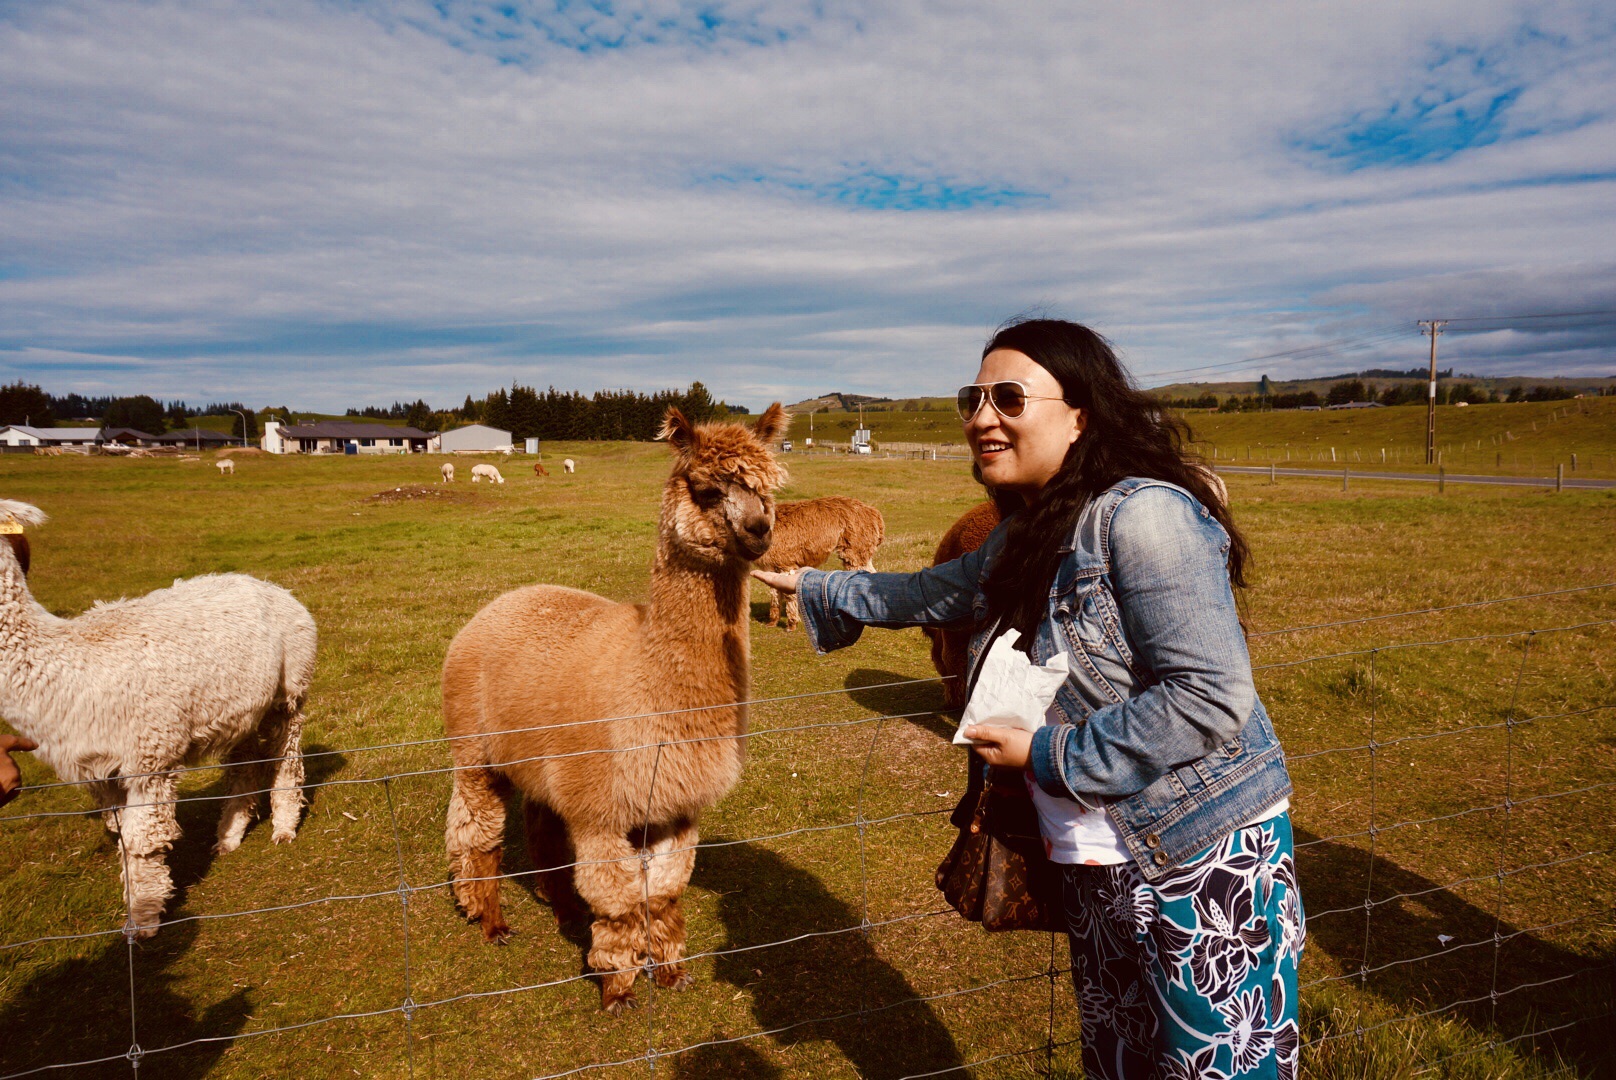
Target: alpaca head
[(719, 502), (13, 516)]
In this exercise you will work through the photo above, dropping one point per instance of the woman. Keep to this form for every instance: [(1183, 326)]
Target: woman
[(1160, 785)]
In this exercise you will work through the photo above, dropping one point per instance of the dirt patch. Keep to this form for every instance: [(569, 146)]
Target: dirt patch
[(412, 492), (243, 451)]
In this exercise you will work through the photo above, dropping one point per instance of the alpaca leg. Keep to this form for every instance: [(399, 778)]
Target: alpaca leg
[(476, 824), (108, 797), (286, 788), (246, 784), (550, 848), (147, 830), (793, 612), (673, 858), (610, 880), (774, 607)]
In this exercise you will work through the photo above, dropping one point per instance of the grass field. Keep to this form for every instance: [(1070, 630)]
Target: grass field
[(1522, 439), (809, 916)]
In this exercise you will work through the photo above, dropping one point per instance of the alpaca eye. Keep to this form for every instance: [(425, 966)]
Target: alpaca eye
[(706, 495)]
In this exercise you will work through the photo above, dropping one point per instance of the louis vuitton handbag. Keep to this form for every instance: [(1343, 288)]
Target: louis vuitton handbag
[(997, 873)]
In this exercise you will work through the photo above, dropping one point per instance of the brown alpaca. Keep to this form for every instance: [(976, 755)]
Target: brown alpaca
[(948, 647), (618, 723), (805, 533), (539, 469)]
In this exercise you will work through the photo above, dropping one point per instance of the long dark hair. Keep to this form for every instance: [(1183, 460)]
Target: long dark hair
[(1127, 433)]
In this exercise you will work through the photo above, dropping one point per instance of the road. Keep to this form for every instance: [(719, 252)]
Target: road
[(1429, 478)]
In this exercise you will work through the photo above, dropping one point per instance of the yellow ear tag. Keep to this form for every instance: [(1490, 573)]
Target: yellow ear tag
[(10, 528)]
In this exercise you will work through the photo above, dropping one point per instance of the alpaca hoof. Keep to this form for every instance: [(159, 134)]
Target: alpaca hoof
[(146, 931), (674, 977), (617, 1006), (226, 846), (498, 934), (283, 836)]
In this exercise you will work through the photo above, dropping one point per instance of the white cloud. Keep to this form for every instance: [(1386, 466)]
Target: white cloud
[(352, 203)]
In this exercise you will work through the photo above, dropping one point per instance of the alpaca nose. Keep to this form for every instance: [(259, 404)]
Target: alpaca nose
[(759, 529)]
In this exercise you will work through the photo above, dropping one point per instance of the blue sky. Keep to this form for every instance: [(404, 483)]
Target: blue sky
[(321, 203)]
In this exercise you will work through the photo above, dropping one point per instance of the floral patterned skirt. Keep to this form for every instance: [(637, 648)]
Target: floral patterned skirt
[(1193, 975)]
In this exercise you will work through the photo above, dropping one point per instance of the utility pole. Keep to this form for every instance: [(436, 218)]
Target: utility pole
[(1433, 327)]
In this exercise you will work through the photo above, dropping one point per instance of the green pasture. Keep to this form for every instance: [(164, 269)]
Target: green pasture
[(1520, 439), (811, 916)]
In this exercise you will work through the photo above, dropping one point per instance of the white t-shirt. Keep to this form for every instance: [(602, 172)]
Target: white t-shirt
[(1076, 836)]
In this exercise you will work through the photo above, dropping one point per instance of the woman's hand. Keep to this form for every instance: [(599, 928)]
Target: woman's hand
[(786, 583), (1007, 746), (10, 777)]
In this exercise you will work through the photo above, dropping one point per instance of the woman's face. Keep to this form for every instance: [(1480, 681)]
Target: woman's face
[(1022, 453)]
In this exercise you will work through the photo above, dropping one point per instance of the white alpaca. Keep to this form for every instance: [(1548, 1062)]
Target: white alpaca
[(226, 466), (480, 472), (567, 465), (132, 690), (448, 472)]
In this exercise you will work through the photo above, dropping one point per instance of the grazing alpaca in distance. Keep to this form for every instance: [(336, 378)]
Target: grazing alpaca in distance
[(544, 675), (949, 647), (226, 466), (805, 533), (539, 469), (567, 465), (486, 472), (446, 470), (132, 690)]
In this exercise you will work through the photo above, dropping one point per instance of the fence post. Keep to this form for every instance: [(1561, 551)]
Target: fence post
[(1573, 462), (1559, 475), (1441, 479), (1344, 473), (1271, 477)]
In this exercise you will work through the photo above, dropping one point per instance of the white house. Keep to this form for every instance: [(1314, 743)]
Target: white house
[(342, 437), (75, 438), (474, 438)]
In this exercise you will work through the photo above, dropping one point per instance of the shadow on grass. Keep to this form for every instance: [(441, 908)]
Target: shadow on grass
[(761, 899), (1335, 876), (864, 687), (79, 1011), (192, 857)]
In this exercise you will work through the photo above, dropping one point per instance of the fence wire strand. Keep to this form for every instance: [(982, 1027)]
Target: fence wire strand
[(648, 856)]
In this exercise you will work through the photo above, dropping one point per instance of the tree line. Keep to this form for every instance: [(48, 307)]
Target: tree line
[(27, 404), (522, 410), (528, 413), (1348, 391)]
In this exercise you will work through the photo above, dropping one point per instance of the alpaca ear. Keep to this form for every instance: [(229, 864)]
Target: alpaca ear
[(677, 429), (772, 424)]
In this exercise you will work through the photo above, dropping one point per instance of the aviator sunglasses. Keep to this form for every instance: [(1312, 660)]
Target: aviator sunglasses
[(1009, 398)]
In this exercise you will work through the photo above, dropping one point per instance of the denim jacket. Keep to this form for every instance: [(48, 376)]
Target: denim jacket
[(1160, 718)]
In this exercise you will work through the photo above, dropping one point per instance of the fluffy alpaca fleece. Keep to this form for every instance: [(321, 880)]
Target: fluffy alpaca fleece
[(545, 672), (226, 466), (568, 465), (805, 533), (949, 647), (129, 691), (446, 470), (488, 472)]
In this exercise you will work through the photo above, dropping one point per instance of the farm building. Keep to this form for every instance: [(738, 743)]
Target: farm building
[(197, 438), (125, 436), (18, 437), (472, 439), (342, 437)]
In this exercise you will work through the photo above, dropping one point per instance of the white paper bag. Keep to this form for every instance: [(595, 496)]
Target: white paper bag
[(1011, 691)]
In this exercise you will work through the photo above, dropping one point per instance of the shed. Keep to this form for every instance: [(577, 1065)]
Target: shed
[(125, 436), (474, 438)]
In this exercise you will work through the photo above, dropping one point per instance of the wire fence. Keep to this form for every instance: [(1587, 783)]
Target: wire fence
[(1355, 877)]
